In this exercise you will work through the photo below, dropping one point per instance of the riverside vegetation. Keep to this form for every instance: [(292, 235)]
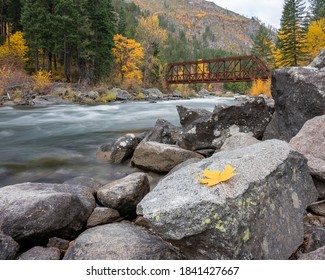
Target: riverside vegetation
[(273, 208)]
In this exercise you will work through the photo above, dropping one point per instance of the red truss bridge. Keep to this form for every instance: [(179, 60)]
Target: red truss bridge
[(221, 70)]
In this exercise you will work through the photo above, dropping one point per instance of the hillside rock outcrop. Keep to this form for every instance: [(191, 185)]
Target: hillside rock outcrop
[(248, 217)]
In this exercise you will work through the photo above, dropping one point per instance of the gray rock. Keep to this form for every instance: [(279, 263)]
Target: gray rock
[(183, 164), (121, 95), (318, 208), (32, 212), (314, 237), (47, 100), (177, 93), (319, 61), (85, 182), (299, 95), (202, 135), (320, 186), (101, 216), (248, 217), (119, 151), (58, 243), (164, 132), (120, 241), (203, 92), (40, 253), (188, 116), (310, 141), (153, 94), (159, 157), (238, 140), (90, 94), (251, 115), (8, 247), (319, 254), (124, 194)]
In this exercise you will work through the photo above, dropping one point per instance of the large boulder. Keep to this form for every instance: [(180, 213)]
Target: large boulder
[(120, 241), (202, 135), (189, 116), (299, 96), (248, 217), (250, 115), (310, 141), (32, 212), (124, 194), (8, 247), (161, 158), (119, 151), (206, 130), (164, 132)]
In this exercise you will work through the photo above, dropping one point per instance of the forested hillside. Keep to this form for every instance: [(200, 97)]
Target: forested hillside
[(128, 43)]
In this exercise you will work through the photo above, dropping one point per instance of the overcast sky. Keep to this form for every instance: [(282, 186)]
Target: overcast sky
[(268, 11)]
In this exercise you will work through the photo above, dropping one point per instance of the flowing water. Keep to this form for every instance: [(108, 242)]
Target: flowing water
[(56, 143)]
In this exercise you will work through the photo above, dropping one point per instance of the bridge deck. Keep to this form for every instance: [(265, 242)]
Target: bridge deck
[(221, 70)]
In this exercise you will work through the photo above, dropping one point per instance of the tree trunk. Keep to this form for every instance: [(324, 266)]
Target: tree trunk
[(67, 62), (36, 61), (50, 62)]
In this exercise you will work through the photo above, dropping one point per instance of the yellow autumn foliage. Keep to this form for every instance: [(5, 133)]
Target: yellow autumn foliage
[(41, 80), (16, 47), (261, 87), (315, 38), (128, 55)]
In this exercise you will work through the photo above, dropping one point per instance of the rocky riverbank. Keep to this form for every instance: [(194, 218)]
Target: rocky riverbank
[(273, 208), (61, 94)]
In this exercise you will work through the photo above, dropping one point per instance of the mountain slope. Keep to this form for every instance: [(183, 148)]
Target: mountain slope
[(206, 22)]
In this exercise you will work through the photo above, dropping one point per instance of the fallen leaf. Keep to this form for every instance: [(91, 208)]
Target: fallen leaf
[(213, 178)]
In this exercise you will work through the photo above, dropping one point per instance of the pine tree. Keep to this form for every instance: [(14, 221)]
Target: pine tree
[(317, 9), (96, 40), (291, 33), (263, 46)]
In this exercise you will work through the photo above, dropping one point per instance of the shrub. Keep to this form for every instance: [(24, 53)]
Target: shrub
[(261, 87), (139, 96), (41, 81), (107, 97)]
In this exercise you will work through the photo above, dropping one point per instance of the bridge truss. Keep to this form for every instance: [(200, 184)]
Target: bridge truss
[(221, 70)]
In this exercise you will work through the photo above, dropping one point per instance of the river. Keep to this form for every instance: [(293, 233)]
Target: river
[(53, 144)]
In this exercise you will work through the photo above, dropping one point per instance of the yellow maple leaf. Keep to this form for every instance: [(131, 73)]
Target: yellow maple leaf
[(213, 178)]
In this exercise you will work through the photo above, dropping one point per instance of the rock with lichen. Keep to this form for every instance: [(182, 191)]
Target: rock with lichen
[(257, 214)]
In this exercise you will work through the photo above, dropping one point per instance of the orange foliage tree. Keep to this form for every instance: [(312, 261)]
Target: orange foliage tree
[(128, 57)]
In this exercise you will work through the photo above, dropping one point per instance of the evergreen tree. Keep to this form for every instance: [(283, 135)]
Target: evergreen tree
[(291, 33), (263, 46), (34, 18), (317, 9)]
